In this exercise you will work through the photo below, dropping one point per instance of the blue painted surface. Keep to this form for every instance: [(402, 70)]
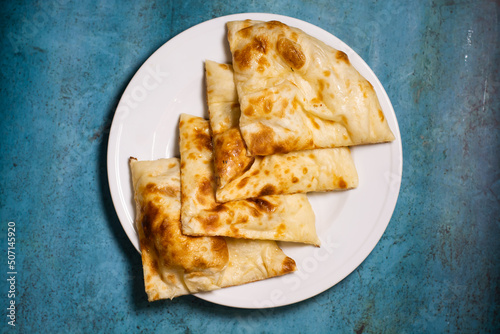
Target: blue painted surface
[(63, 68)]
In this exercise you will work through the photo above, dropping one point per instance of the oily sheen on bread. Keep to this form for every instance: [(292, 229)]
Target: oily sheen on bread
[(240, 176), (175, 264), (278, 217), (298, 93)]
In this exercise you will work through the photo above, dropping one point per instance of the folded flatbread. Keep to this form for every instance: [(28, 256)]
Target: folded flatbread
[(175, 264), (240, 176), (298, 93), (276, 217)]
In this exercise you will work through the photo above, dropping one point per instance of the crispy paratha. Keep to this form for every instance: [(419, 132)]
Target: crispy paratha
[(240, 176), (278, 217), (175, 264), (298, 93)]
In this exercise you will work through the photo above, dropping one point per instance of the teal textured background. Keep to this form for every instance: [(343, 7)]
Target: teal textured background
[(63, 68)]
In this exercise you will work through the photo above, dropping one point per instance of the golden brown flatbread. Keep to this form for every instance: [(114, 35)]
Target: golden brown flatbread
[(175, 264), (298, 93), (240, 176), (278, 217)]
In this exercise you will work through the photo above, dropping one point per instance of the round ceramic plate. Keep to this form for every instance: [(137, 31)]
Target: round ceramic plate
[(349, 223)]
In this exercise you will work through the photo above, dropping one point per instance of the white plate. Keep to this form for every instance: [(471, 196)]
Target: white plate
[(349, 223)]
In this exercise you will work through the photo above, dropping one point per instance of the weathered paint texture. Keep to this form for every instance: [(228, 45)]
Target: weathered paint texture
[(63, 68)]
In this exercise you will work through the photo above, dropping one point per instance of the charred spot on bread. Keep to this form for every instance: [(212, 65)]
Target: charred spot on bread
[(289, 265), (251, 53), (210, 222), (262, 204), (151, 214), (291, 53), (268, 189), (342, 56), (342, 184)]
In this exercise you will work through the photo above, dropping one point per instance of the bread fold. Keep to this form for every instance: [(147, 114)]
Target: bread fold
[(274, 217), (298, 93), (240, 176), (175, 264)]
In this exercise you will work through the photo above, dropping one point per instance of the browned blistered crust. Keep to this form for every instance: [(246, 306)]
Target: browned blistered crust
[(175, 264), (236, 172), (297, 93), (291, 53), (205, 193), (162, 228), (230, 156), (255, 218)]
